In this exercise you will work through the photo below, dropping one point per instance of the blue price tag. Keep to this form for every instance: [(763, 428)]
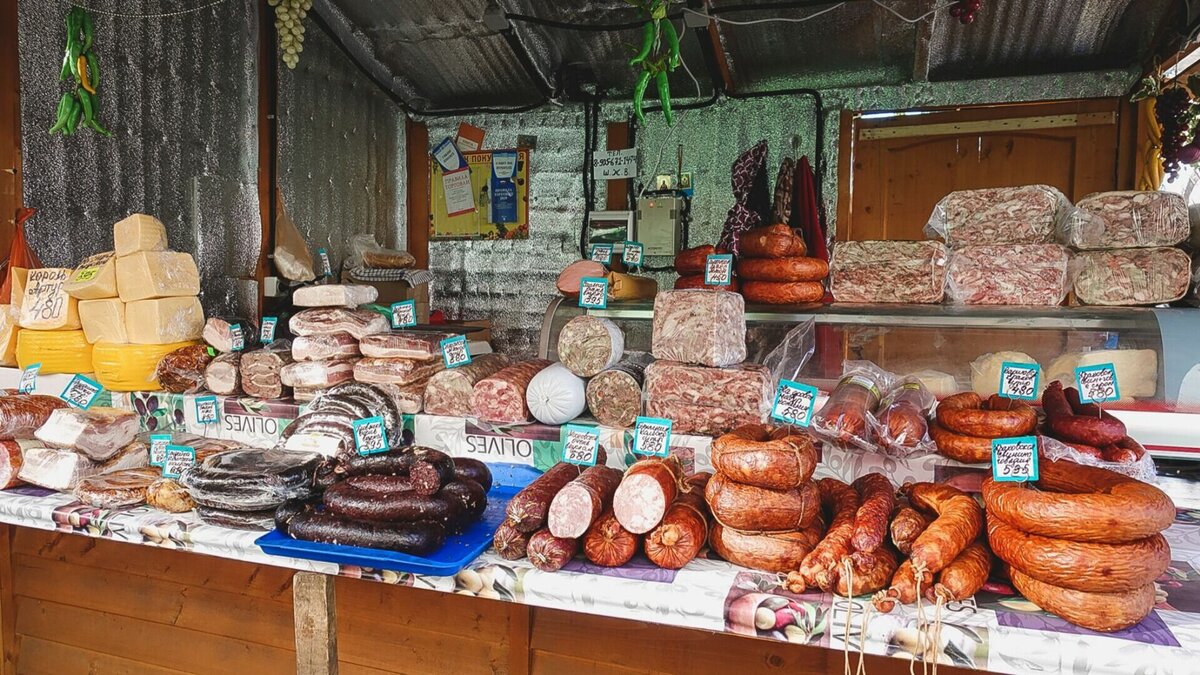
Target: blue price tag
[(404, 314), (326, 266), (632, 254), (179, 457), (794, 403), (1098, 383), (601, 253), (581, 445), (1015, 460), (1020, 381), (455, 352), (81, 392), (369, 436), (266, 334), (29, 378), (593, 292), (652, 436), (718, 269), (207, 410), (237, 338), (158, 449)]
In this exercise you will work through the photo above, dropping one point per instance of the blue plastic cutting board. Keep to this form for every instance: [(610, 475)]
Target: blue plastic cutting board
[(458, 551)]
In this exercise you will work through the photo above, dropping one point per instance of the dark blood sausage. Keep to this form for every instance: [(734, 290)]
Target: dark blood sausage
[(581, 501), (510, 542), (646, 492), (549, 553), (755, 509), (473, 469), (351, 502), (528, 508), (877, 499), (399, 463), (422, 478), (381, 404), (469, 494), (415, 538), (607, 544), (683, 530), (1067, 419), (289, 510)]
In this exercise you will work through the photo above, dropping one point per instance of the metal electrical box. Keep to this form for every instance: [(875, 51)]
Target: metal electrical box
[(659, 225)]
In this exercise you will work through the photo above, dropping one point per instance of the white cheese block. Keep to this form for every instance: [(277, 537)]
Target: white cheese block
[(156, 274), (556, 395), (1137, 370), (163, 320), (46, 304), (139, 232), (985, 371), (938, 383), (95, 277), (8, 335), (20, 279), (103, 320), (335, 295)]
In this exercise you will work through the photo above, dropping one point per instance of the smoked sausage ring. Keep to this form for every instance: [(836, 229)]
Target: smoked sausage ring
[(755, 509), (959, 521), (782, 269), (771, 241), (779, 552), (1104, 612), (783, 293), (692, 260), (968, 414), (1081, 503), (1067, 419), (1095, 568), (752, 455), (965, 449)]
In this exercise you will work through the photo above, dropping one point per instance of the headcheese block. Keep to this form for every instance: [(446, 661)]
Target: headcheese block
[(95, 277), (103, 320), (163, 320), (156, 274), (20, 279), (8, 335), (139, 232), (46, 305)]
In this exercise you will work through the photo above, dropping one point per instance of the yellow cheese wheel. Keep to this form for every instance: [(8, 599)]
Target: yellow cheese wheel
[(59, 351), (125, 367)]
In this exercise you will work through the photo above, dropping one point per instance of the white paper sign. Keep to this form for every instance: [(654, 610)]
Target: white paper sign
[(1098, 384), (581, 446), (460, 197), (794, 403), (652, 436), (1015, 459), (1020, 381), (615, 164)]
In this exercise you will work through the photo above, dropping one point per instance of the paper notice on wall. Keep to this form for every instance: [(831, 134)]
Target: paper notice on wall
[(459, 196)]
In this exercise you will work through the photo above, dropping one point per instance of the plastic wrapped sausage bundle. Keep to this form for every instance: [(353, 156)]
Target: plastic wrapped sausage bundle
[(698, 326), (222, 376), (888, 271), (1010, 215), (901, 421), (1126, 220), (118, 488), (260, 370), (1032, 274), (1138, 276), (182, 371), (555, 395), (61, 469), (250, 479), (845, 419)]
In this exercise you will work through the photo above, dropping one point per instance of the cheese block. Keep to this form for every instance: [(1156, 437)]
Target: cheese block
[(46, 304), (335, 295), (163, 320), (156, 274), (59, 351), (95, 277), (985, 370), (139, 232), (8, 335), (103, 320), (20, 279), (1137, 369), (130, 367)]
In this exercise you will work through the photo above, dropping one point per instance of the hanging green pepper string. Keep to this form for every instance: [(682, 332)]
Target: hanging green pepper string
[(649, 32), (658, 56), (639, 92), (664, 96), (79, 106), (672, 39)]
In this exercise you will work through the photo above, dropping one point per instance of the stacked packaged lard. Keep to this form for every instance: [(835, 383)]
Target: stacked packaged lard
[(76, 444), (326, 349)]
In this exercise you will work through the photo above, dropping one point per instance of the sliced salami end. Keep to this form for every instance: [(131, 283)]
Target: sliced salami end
[(640, 502)]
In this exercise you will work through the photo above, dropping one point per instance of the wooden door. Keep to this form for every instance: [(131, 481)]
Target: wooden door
[(900, 166)]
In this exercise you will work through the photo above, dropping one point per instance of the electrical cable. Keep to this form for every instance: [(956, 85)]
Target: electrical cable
[(774, 19), (163, 15)]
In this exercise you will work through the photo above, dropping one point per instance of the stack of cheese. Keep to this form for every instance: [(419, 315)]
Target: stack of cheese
[(136, 303), (10, 314)]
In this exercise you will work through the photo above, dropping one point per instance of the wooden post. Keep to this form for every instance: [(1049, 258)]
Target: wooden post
[(8, 607), (316, 624), (10, 125), (417, 142), (268, 189)]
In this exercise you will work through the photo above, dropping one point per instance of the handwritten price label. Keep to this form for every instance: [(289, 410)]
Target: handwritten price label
[(81, 392), (158, 449), (718, 270), (369, 438), (237, 339), (1015, 460), (455, 352), (794, 403), (593, 293), (206, 410), (404, 314), (1098, 384), (28, 379), (632, 254), (179, 457), (266, 334), (1020, 381), (652, 436), (326, 266), (601, 253), (581, 446)]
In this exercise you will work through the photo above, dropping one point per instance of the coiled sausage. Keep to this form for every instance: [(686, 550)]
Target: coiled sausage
[(959, 521), (1104, 612), (783, 293), (968, 414), (782, 269), (756, 454)]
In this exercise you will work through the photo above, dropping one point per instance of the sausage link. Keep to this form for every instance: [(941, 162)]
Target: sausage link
[(683, 530), (783, 293), (1103, 612), (771, 241), (907, 525), (348, 501), (959, 521), (510, 542), (580, 502), (753, 456), (903, 589), (782, 269), (473, 469), (965, 449), (1064, 421), (549, 553), (414, 538), (871, 572), (528, 508), (965, 575), (607, 544), (998, 417), (820, 567), (646, 492), (877, 499), (692, 260)]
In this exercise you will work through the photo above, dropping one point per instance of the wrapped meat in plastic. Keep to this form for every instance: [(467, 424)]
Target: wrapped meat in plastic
[(556, 395), (357, 322), (500, 398), (305, 394), (699, 326), (98, 433), (845, 419), (888, 271), (335, 295), (449, 391), (223, 374), (1129, 219), (1008, 215), (23, 414), (251, 479), (708, 401), (10, 462), (260, 370), (263, 519), (901, 422), (409, 398), (415, 345), (119, 488), (62, 469), (230, 334), (325, 346), (316, 374), (1034, 274), (395, 371), (569, 279), (615, 395), (588, 345), (182, 371), (1136, 276), (166, 494)]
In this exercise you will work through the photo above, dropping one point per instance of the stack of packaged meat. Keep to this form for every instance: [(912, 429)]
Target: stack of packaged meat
[(774, 270), (997, 216), (1009, 274), (241, 488), (20, 416), (888, 271), (403, 360), (1126, 241), (407, 499), (76, 444), (327, 425)]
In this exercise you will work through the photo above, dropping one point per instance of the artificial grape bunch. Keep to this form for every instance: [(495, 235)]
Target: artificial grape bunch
[(79, 106), (1176, 114), (965, 10), (289, 23)]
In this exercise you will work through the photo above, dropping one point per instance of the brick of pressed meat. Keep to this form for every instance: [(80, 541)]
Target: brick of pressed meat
[(325, 346), (615, 395), (1034, 274), (888, 271), (1130, 219), (1008, 215), (395, 371), (1136, 276), (420, 346), (707, 401), (500, 397), (449, 391), (699, 326), (357, 322)]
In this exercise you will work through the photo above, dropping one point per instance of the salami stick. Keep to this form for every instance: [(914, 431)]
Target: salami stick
[(549, 553), (528, 508), (683, 530), (959, 521), (581, 501), (607, 544), (510, 542), (648, 489), (819, 567), (907, 525), (877, 499)]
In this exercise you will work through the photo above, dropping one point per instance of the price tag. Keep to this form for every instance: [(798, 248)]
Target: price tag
[(81, 392), (1020, 380), (652, 436), (404, 314), (601, 253), (718, 269), (582, 445), (326, 266), (593, 292), (369, 437), (632, 254), (179, 457), (455, 352), (237, 339), (1015, 460), (266, 334), (1098, 384), (28, 379), (158, 448), (206, 409), (794, 403), (85, 274)]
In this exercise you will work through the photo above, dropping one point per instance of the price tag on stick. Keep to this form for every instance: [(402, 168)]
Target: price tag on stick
[(369, 436), (1098, 384), (1015, 460), (652, 436), (29, 378), (794, 403), (455, 352), (581, 445), (1020, 381), (81, 392), (593, 293), (179, 457), (718, 270)]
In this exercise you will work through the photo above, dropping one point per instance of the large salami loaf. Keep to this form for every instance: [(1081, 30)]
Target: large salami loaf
[(222, 374), (588, 345), (888, 271), (699, 326), (419, 346), (1137, 276), (1127, 220), (449, 391), (500, 398), (324, 347), (357, 322), (22, 414), (395, 371), (676, 540), (182, 371), (707, 401), (316, 374), (646, 492), (1008, 215), (580, 502), (1033, 274), (527, 510), (569, 279), (615, 395), (10, 464), (260, 370)]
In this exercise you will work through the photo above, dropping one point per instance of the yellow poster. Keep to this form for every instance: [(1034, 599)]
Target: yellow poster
[(473, 219)]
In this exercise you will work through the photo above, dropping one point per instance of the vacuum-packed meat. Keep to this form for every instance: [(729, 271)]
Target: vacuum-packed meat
[(614, 396), (707, 401), (588, 345), (325, 346), (888, 271), (182, 371), (1136, 276), (415, 345), (1007, 215), (449, 391), (230, 334), (335, 295), (395, 371), (98, 433), (357, 322), (500, 398), (555, 395), (166, 494), (222, 376), (260, 370), (316, 374), (1128, 219), (23, 414), (1034, 274), (699, 326), (250, 479), (118, 488), (62, 469)]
